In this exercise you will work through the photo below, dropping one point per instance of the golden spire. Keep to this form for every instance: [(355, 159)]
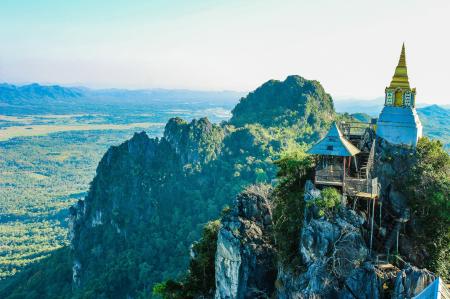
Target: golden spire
[(400, 78)]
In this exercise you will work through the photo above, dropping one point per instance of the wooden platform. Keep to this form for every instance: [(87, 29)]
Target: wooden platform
[(366, 195)]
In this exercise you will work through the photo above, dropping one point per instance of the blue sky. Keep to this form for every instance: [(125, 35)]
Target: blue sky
[(350, 46)]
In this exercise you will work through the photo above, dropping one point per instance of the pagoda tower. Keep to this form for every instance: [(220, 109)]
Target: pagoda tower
[(398, 122)]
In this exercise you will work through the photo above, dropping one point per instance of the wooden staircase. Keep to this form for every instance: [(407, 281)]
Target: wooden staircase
[(364, 163)]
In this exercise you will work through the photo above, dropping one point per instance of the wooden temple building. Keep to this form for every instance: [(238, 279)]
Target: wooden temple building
[(345, 161)]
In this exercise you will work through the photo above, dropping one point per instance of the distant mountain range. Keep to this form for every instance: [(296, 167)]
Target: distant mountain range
[(34, 92), (436, 124), (36, 98), (369, 107)]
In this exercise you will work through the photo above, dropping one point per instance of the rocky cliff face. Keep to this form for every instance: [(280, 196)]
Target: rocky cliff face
[(392, 166), (245, 257), (134, 206), (113, 216), (334, 251)]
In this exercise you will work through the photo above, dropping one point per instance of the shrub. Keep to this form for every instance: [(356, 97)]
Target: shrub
[(329, 200)]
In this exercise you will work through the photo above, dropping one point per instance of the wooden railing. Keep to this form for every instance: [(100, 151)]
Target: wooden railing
[(327, 175), (351, 185), (354, 186)]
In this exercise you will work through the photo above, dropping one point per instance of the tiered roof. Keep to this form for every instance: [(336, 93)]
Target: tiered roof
[(334, 144)]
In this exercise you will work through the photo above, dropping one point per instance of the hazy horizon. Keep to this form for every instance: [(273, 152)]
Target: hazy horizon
[(369, 102), (351, 47)]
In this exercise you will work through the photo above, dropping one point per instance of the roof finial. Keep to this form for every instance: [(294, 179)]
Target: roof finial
[(400, 78), (402, 60)]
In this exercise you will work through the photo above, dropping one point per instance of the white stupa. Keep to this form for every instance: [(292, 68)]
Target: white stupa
[(398, 122)]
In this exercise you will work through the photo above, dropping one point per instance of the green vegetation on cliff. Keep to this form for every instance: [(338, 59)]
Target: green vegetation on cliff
[(427, 185), (150, 197), (294, 169), (293, 102), (200, 279)]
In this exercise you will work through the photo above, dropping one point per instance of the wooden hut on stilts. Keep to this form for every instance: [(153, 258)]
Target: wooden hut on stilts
[(341, 164)]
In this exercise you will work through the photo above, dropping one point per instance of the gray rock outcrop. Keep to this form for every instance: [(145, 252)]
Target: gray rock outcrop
[(411, 281), (363, 282), (245, 257), (332, 250)]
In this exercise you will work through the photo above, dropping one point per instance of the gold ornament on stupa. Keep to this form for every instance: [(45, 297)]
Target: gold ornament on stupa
[(399, 93)]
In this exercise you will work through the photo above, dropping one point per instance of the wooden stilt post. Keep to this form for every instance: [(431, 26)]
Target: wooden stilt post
[(343, 178), (371, 223), (368, 208), (380, 205), (396, 249)]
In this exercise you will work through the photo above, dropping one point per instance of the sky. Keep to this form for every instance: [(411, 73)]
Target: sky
[(350, 46)]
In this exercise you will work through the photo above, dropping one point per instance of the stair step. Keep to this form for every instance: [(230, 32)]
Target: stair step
[(386, 266)]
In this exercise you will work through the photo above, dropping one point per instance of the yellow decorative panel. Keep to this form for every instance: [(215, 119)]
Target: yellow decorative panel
[(398, 98)]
